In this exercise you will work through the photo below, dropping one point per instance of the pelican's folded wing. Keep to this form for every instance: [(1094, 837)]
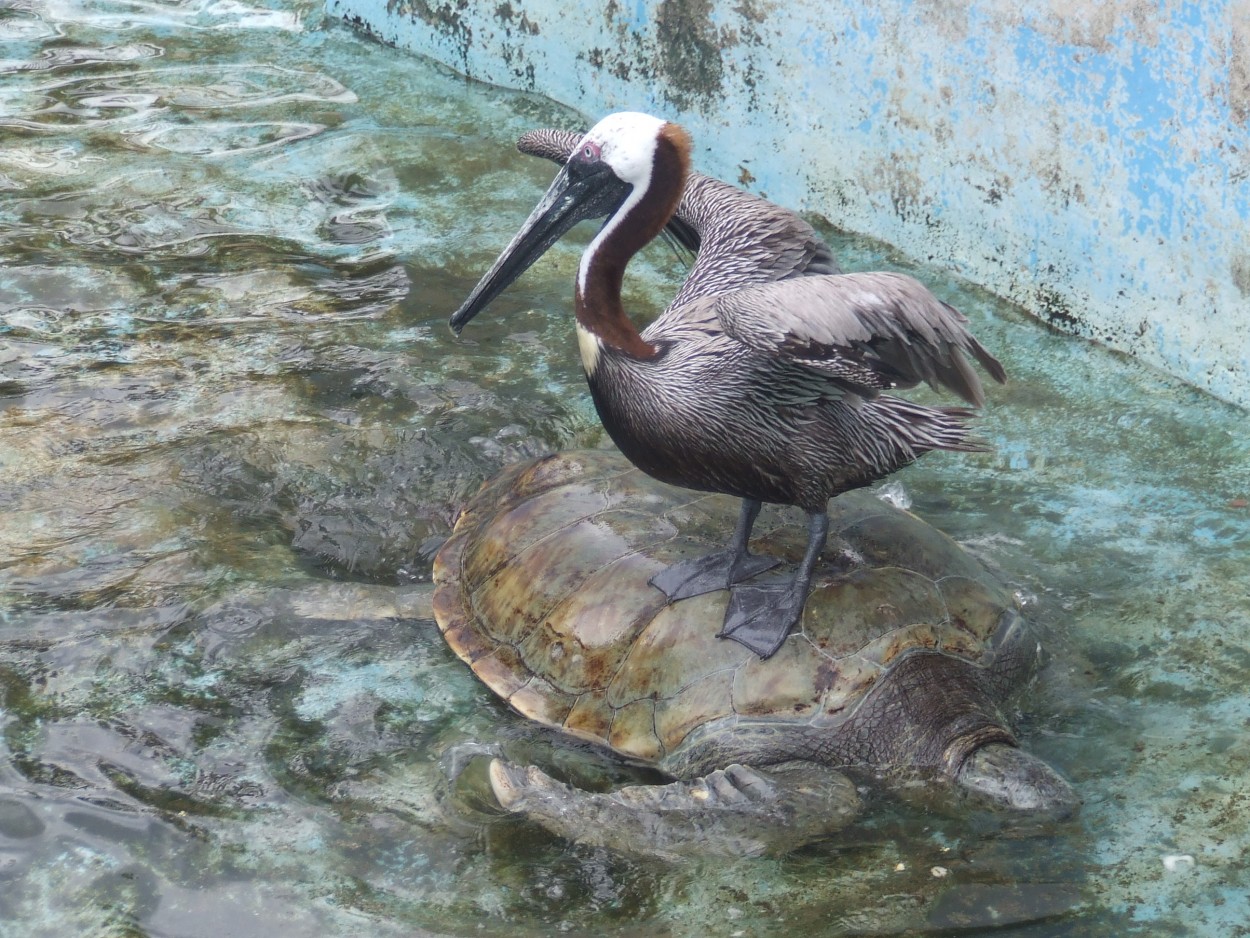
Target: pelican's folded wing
[(868, 331)]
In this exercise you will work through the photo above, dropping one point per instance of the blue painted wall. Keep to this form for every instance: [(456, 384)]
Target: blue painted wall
[(1092, 164)]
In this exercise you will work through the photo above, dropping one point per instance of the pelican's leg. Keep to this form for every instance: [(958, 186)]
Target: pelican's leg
[(719, 569), (761, 617)]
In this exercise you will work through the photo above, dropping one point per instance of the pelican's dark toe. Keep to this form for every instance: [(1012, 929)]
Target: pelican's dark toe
[(760, 617), (709, 573)]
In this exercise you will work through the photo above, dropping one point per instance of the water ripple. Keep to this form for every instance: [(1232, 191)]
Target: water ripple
[(66, 57), (25, 25), (209, 138), (41, 159), (216, 15), (125, 97), (183, 210)]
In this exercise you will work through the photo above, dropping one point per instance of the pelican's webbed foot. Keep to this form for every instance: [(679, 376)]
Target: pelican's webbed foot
[(707, 574), (720, 569), (760, 617)]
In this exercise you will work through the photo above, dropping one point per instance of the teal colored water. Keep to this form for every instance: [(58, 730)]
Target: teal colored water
[(234, 427)]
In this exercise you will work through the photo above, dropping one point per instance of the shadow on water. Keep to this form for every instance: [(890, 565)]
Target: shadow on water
[(234, 427)]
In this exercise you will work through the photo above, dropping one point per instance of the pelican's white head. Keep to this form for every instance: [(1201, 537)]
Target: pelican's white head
[(610, 172), (626, 142)]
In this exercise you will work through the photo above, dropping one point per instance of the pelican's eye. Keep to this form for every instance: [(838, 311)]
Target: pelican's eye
[(590, 152)]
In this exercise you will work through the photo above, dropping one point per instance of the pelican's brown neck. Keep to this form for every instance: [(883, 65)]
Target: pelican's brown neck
[(601, 318)]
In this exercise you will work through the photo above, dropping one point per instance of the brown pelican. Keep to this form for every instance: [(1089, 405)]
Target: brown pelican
[(763, 378)]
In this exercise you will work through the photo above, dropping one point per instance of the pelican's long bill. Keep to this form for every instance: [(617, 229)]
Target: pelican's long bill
[(578, 192)]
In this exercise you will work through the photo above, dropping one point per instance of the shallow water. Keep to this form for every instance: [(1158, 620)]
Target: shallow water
[(233, 426)]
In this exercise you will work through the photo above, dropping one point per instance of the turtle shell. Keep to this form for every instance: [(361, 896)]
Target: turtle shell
[(542, 589)]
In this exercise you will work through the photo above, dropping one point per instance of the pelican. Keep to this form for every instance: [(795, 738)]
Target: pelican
[(763, 378)]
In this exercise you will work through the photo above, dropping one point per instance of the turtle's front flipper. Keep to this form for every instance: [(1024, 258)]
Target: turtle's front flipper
[(736, 811)]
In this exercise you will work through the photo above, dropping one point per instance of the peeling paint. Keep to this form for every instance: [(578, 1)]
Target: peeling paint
[(1089, 162), (690, 50)]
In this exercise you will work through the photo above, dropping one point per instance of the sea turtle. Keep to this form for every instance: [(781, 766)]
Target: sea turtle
[(905, 652)]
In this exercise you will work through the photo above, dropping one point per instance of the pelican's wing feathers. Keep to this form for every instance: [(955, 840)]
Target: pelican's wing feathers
[(868, 331)]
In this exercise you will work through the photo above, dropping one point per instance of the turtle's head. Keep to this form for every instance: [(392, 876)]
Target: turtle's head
[(1016, 779)]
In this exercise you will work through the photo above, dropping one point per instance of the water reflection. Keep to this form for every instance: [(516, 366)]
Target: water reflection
[(233, 427)]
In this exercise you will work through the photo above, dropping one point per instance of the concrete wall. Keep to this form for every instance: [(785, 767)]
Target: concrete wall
[(1089, 161)]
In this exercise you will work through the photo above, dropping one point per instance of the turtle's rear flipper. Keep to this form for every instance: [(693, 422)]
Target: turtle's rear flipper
[(736, 811)]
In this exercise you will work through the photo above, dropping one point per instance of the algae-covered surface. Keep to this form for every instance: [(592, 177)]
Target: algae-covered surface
[(234, 427)]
